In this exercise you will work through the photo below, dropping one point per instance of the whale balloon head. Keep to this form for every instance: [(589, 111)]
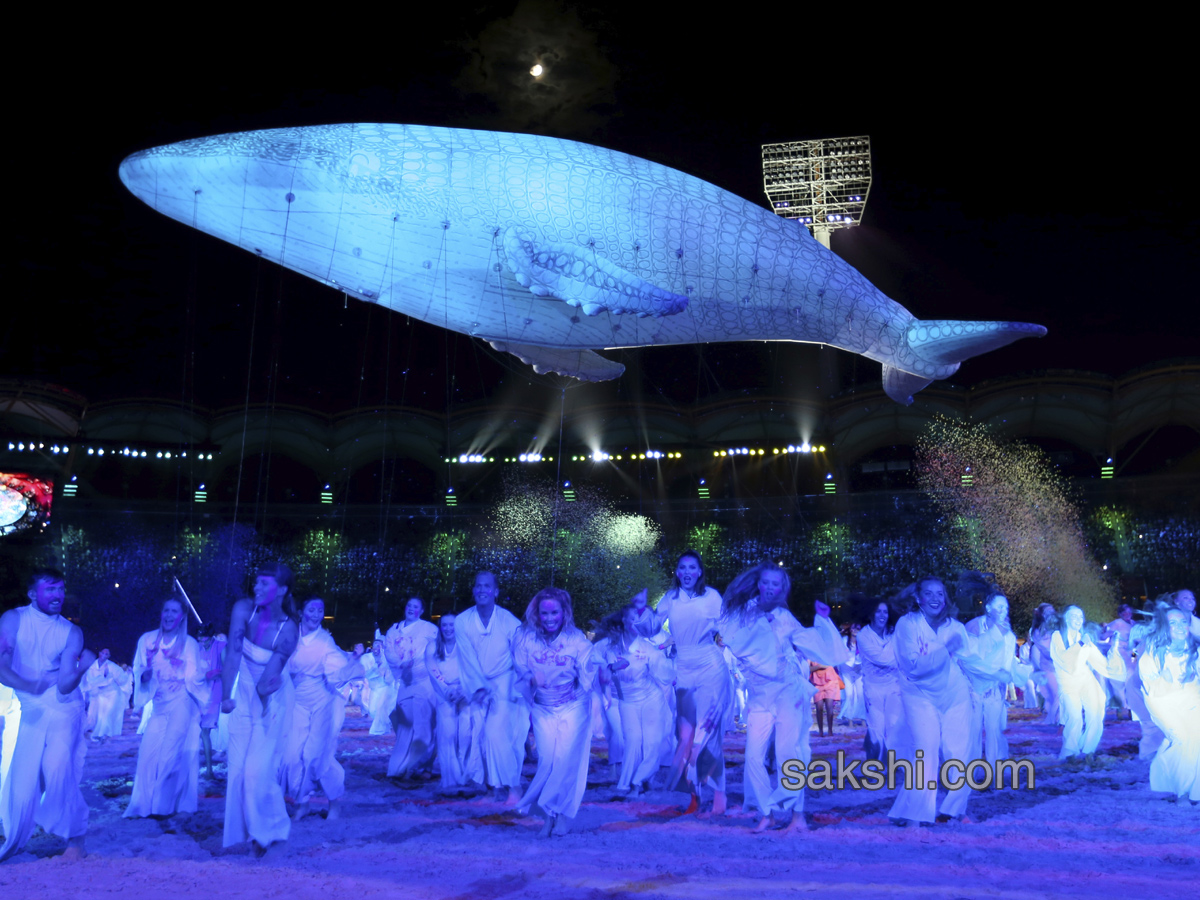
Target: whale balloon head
[(545, 248)]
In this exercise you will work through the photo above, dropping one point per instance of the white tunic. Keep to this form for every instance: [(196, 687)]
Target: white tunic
[(167, 776), (561, 680), (1079, 665), (47, 765), (640, 689), (459, 728), (881, 690), (318, 669), (486, 662)]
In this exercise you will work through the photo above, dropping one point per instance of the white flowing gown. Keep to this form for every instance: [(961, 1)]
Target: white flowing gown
[(167, 776), (103, 683), (459, 728), (1175, 705), (645, 715), (561, 679), (255, 808)]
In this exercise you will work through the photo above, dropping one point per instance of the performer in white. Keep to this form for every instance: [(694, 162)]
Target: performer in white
[(990, 669), (637, 674), (1186, 600), (881, 681), (167, 669), (1045, 623), (10, 722), (404, 648), (262, 637), (318, 670), (459, 729), (1081, 669), (774, 652), (1170, 684), (212, 652), (929, 643), (104, 682), (703, 686), (380, 688), (484, 635), (42, 659), (1118, 631), (550, 659)]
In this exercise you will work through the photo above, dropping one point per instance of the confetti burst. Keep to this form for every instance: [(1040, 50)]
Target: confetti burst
[(1008, 513)]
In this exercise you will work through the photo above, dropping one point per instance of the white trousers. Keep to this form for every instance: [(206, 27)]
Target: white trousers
[(1081, 705), (940, 735)]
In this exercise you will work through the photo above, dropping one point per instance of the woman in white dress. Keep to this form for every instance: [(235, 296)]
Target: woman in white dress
[(380, 689), (318, 669), (1080, 668), (106, 699), (404, 648), (774, 652), (881, 679), (1170, 685), (637, 673), (460, 758), (550, 664), (929, 644), (167, 670), (703, 686)]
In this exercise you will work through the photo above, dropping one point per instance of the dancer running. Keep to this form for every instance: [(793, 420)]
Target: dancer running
[(774, 650), (550, 657), (262, 637), (703, 687), (929, 643), (484, 639), (42, 659), (881, 679), (318, 669), (404, 647), (167, 670), (1170, 684), (459, 755), (1081, 669)]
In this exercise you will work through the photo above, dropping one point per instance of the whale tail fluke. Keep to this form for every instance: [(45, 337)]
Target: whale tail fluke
[(946, 342)]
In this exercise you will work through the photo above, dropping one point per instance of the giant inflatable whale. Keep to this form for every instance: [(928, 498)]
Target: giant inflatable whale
[(548, 249)]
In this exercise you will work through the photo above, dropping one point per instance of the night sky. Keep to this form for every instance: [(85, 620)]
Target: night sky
[(1034, 171)]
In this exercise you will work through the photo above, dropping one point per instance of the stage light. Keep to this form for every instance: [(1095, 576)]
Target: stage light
[(822, 184)]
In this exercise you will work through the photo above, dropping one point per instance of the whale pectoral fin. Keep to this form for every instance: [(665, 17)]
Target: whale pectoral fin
[(946, 341), (584, 279), (586, 365), (901, 385)]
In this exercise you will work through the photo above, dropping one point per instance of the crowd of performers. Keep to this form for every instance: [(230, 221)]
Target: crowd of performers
[(669, 680)]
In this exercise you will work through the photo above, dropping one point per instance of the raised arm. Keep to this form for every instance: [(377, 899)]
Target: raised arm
[(272, 677)]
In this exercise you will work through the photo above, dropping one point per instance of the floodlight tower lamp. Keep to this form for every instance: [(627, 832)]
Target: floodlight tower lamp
[(823, 184)]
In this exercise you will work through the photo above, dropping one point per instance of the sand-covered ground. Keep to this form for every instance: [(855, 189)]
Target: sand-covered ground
[(1090, 834)]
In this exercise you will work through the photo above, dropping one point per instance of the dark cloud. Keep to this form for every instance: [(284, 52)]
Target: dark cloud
[(573, 97)]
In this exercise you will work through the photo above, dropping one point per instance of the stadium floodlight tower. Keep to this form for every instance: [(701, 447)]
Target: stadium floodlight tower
[(822, 184)]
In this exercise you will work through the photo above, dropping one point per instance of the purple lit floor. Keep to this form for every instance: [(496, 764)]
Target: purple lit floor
[(1090, 834)]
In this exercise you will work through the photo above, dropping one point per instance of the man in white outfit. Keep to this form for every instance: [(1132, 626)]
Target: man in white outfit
[(484, 636), (42, 659)]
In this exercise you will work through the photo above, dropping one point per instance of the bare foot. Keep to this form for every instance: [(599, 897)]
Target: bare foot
[(75, 849), (547, 826), (562, 825), (798, 825), (514, 797), (720, 801), (335, 811), (300, 812), (763, 824)]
